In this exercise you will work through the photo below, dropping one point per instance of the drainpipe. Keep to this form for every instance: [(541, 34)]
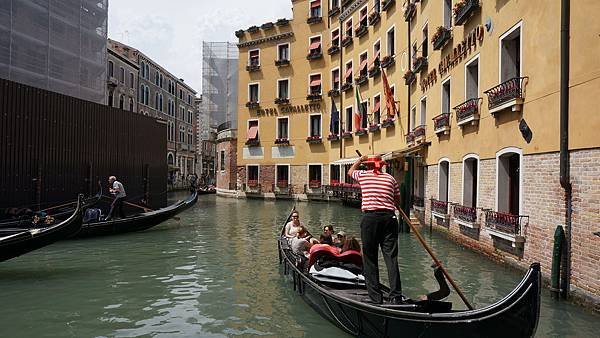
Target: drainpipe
[(565, 182)]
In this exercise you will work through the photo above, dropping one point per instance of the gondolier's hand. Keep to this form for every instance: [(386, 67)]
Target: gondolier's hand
[(364, 158)]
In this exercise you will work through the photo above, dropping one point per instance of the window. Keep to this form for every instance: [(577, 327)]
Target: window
[(314, 175), (472, 79), (349, 118), (157, 78), (335, 79), (282, 128), (315, 45), (253, 92), (470, 180), (377, 5), (283, 89), (413, 117), (254, 58), (364, 59), (443, 177), (189, 99), (190, 117), (147, 73), (110, 99), (180, 94), (508, 175), (147, 95), (222, 158), (111, 71), (283, 175), (510, 54), (190, 137), (446, 97), (423, 111), (121, 102), (122, 75), (377, 109), (335, 37), (130, 104), (156, 101), (160, 82), (253, 130), (160, 102), (364, 109), (447, 13), (182, 113), (315, 8), (363, 17), (391, 42), (315, 84), (283, 52), (349, 28), (334, 173), (315, 125), (131, 80), (143, 69), (252, 175), (348, 74), (425, 44), (376, 52), (181, 135)]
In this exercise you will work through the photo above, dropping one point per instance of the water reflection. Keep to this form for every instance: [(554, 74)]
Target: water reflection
[(215, 273)]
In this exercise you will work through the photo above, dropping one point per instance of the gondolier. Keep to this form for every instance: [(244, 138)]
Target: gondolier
[(379, 226), (118, 191)]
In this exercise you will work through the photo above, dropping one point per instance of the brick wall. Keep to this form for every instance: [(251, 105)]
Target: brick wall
[(229, 174), (298, 177), (267, 178)]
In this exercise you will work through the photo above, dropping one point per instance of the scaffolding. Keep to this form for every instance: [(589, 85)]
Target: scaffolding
[(219, 84), (57, 45)]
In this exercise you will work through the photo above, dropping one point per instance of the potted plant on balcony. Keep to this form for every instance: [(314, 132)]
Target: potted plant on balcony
[(360, 30), (419, 63), (375, 69), (282, 183), (314, 96), (253, 142), (314, 184), (314, 139), (252, 183), (314, 54), (267, 25), (374, 18), (252, 104), (333, 137), (441, 36), (387, 61), (347, 40), (282, 100), (361, 79), (333, 49), (409, 77), (463, 10), (346, 86), (314, 19), (282, 62), (361, 132), (389, 122), (333, 93), (346, 134), (373, 128), (282, 141), (334, 11)]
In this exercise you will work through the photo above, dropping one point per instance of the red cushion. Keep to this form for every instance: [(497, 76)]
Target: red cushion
[(319, 250)]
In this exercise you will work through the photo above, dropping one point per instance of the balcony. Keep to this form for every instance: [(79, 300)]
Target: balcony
[(253, 67), (374, 18), (253, 142), (253, 104), (252, 183), (387, 61), (361, 79), (315, 139), (509, 94), (112, 81), (333, 137), (361, 132), (347, 135), (361, 30), (282, 63), (465, 216), (410, 139), (505, 226), (463, 11), (441, 124), (410, 11), (409, 77), (314, 54), (282, 141), (389, 122), (419, 133), (346, 86), (418, 202), (334, 11), (347, 41), (375, 70), (467, 111), (374, 128), (439, 208), (282, 100), (387, 4), (314, 184), (419, 63), (441, 37), (282, 183), (314, 96), (333, 93), (314, 19), (334, 49)]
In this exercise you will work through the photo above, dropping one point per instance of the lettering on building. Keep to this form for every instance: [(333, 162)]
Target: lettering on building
[(462, 49), (303, 108)]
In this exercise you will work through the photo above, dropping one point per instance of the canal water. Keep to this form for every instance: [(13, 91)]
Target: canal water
[(215, 273)]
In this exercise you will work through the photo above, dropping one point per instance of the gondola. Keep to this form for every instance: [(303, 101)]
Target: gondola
[(15, 242), (206, 190), (516, 315), (137, 222)]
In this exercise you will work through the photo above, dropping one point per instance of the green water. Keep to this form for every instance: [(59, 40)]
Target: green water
[(215, 273)]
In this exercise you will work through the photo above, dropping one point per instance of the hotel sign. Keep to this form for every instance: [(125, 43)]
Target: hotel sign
[(288, 109)]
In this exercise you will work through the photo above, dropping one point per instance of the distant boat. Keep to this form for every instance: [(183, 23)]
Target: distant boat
[(17, 241), (338, 298)]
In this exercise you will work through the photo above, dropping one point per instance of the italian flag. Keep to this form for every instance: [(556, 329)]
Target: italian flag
[(358, 112)]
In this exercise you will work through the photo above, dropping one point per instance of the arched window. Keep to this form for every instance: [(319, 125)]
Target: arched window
[(443, 180), (141, 96), (156, 101), (470, 181), (111, 68), (130, 104), (110, 99), (147, 95), (160, 103), (508, 180), (143, 69), (121, 99), (170, 159)]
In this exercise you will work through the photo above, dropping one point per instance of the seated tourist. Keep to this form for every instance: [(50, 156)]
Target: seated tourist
[(351, 244), (340, 239), (326, 236), (292, 227), (302, 242)]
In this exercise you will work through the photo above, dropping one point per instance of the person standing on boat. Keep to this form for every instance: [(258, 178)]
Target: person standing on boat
[(118, 191), (379, 226)]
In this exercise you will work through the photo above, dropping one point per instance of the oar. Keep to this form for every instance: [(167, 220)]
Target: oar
[(144, 208), (59, 206), (430, 252)]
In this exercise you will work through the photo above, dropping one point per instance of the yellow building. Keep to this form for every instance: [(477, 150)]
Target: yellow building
[(478, 131)]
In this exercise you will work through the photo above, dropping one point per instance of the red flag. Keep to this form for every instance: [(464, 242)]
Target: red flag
[(390, 104)]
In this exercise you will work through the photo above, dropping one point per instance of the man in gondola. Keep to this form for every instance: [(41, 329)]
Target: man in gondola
[(379, 226), (118, 191)]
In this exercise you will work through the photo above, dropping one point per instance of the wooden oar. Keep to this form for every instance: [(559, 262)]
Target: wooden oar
[(142, 207), (59, 206)]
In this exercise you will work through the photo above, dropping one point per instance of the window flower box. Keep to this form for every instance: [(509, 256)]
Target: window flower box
[(389, 122), (419, 63), (419, 133), (282, 141), (314, 19), (333, 50), (387, 61), (252, 105), (441, 37), (505, 226), (347, 135), (410, 139), (333, 137), (282, 100), (282, 63), (282, 183), (346, 86), (239, 33), (374, 18), (314, 184), (314, 97), (439, 208), (252, 68), (314, 139), (314, 54), (360, 30), (282, 22), (463, 10), (252, 183), (410, 11), (467, 111), (333, 93), (361, 132), (253, 142), (253, 29), (375, 70), (267, 25), (334, 11), (441, 124), (509, 94), (409, 77), (360, 80), (387, 4), (346, 41), (373, 128)]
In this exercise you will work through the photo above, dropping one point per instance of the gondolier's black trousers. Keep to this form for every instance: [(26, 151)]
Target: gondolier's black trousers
[(380, 229), (117, 204)]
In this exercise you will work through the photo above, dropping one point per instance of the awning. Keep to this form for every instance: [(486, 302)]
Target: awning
[(336, 76), (345, 161), (409, 150), (252, 132), (377, 106), (315, 45), (363, 64), (315, 82), (315, 4), (348, 72), (254, 53), (375, 58), (363, 15)]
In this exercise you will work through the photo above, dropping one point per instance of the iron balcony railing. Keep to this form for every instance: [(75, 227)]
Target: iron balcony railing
[(441, 37), (504, 222), (441, 121), (467, 109), (419, 63), (464, 213), (463, 11), (505, 92), (419, 131), (439, 207)]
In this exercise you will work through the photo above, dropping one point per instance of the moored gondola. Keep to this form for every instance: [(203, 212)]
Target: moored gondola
[(15, 242), (137, 222), (515, 315)]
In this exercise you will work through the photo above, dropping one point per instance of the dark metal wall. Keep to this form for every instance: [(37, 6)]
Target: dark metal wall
[(54, 146)]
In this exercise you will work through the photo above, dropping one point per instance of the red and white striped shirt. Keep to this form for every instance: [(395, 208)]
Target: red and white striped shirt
[(379, 191)]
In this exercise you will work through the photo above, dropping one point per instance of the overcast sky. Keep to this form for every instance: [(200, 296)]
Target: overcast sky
[(171, 32)]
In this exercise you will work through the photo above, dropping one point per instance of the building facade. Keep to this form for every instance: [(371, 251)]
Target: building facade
[(469, 121), (55, 45), (121, 77)]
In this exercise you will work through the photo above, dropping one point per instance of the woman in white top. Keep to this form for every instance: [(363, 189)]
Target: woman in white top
[(293, 226)]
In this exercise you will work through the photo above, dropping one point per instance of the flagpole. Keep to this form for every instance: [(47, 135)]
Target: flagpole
[(341, 109)]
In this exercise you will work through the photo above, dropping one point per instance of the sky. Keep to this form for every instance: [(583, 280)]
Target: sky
[(171, 32)]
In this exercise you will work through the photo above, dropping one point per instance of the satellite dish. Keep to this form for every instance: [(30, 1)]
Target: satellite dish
[(489, 26)]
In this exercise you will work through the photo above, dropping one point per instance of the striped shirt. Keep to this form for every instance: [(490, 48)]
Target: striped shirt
[(379, 191)]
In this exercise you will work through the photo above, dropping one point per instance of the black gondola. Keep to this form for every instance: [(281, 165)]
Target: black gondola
[(516, 315), (15, 242), (137, 222)]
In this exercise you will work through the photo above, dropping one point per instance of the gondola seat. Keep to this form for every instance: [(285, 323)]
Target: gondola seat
[(331, 253)]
